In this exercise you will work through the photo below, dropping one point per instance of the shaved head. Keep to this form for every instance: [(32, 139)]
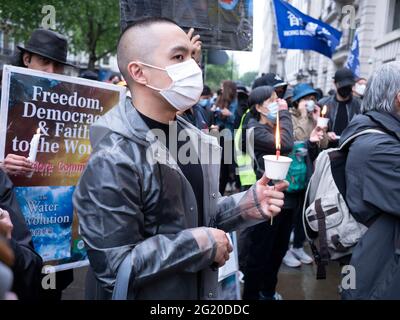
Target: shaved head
[(138, 42)]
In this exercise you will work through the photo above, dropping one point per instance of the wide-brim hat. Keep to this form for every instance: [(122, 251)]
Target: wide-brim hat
[(48, 44), (303, 90)]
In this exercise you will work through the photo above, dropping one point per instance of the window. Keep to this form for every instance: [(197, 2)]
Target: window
[(396, 16)]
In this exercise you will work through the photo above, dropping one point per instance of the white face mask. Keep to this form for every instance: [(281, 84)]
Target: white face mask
[(310, 105), (360, 89), (186, 87)]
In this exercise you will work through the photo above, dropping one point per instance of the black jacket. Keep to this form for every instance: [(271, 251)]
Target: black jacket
[(373, 167), (353, 108), (264, 139), (28, 264), (373, 193)]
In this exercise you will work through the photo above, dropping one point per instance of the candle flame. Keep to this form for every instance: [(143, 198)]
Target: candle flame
[(38, 131), (324, 111), (277, 137)]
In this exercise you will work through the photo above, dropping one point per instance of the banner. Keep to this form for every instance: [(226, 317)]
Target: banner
[(353, 61), (222, 24), (53, 113), (299, 31)]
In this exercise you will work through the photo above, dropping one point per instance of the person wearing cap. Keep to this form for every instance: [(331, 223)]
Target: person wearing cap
[(46, 51), (308, 138), (342, 106), (272, 79)]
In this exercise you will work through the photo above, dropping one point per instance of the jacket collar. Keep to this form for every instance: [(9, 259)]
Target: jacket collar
[(390, 122)]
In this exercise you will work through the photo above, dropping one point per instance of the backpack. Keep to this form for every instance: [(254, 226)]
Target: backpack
[(329, 226), (297, 174)]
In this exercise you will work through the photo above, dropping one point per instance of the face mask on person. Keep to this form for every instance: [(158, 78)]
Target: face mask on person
[(186, 87), (273, 112), (345, 92), (360, 89), (204, 102), (310, 105)]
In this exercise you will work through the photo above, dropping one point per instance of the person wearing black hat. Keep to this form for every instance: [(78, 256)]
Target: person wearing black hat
[(342, 106), (46, 51)]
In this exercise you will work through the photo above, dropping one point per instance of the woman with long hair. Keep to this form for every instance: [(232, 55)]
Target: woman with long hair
[(224, 111)]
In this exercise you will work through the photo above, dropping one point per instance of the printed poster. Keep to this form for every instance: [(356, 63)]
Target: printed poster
[(62, 109)]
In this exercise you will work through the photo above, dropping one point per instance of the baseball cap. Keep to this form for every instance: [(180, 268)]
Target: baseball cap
[(344, 77)]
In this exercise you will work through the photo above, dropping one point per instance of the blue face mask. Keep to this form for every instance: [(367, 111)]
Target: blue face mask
[(273, 112), (204, 102)]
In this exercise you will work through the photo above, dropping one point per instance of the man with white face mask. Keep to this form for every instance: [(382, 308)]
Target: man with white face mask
[(153, 223)]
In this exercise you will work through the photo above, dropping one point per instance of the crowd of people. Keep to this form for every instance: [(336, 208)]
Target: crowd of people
[(163, 224)]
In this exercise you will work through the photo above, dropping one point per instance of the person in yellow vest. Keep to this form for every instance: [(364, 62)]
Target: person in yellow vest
[(264, 246)]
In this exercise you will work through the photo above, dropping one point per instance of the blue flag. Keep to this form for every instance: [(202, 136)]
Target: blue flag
[(353, 61), (299, 31)]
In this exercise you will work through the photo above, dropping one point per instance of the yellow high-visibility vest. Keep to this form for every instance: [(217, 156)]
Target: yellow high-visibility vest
[(244, 162)]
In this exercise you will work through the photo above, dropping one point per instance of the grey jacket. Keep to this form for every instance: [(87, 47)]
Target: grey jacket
[(353, 108), (133, 199)]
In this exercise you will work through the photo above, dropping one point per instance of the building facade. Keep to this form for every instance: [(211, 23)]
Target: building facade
[(378, 27)]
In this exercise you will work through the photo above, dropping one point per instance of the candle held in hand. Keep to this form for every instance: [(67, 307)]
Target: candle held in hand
[(34, 146), (277, 138), (322, 122), (324, 111)]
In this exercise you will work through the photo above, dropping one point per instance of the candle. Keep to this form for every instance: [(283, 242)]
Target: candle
[(322, 122), (34, 146), (277, 145), (277, 138), (324, 110)]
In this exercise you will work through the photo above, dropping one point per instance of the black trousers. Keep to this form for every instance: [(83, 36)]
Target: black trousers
[(298, 229), (262, 249), (263, 254)]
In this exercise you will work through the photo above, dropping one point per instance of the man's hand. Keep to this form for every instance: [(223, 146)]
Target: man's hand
[(223, 246), (196, 45), (6, 225), (17, 165), (270, 198)]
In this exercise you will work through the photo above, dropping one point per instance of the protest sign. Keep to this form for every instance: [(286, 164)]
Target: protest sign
[(61, 109), (222, 24)]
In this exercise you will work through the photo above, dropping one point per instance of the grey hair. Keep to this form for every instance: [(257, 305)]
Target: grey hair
[(382, 89)]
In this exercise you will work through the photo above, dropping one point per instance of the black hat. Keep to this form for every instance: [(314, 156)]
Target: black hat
[(48, 44), (344, 77), (269, 79)]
